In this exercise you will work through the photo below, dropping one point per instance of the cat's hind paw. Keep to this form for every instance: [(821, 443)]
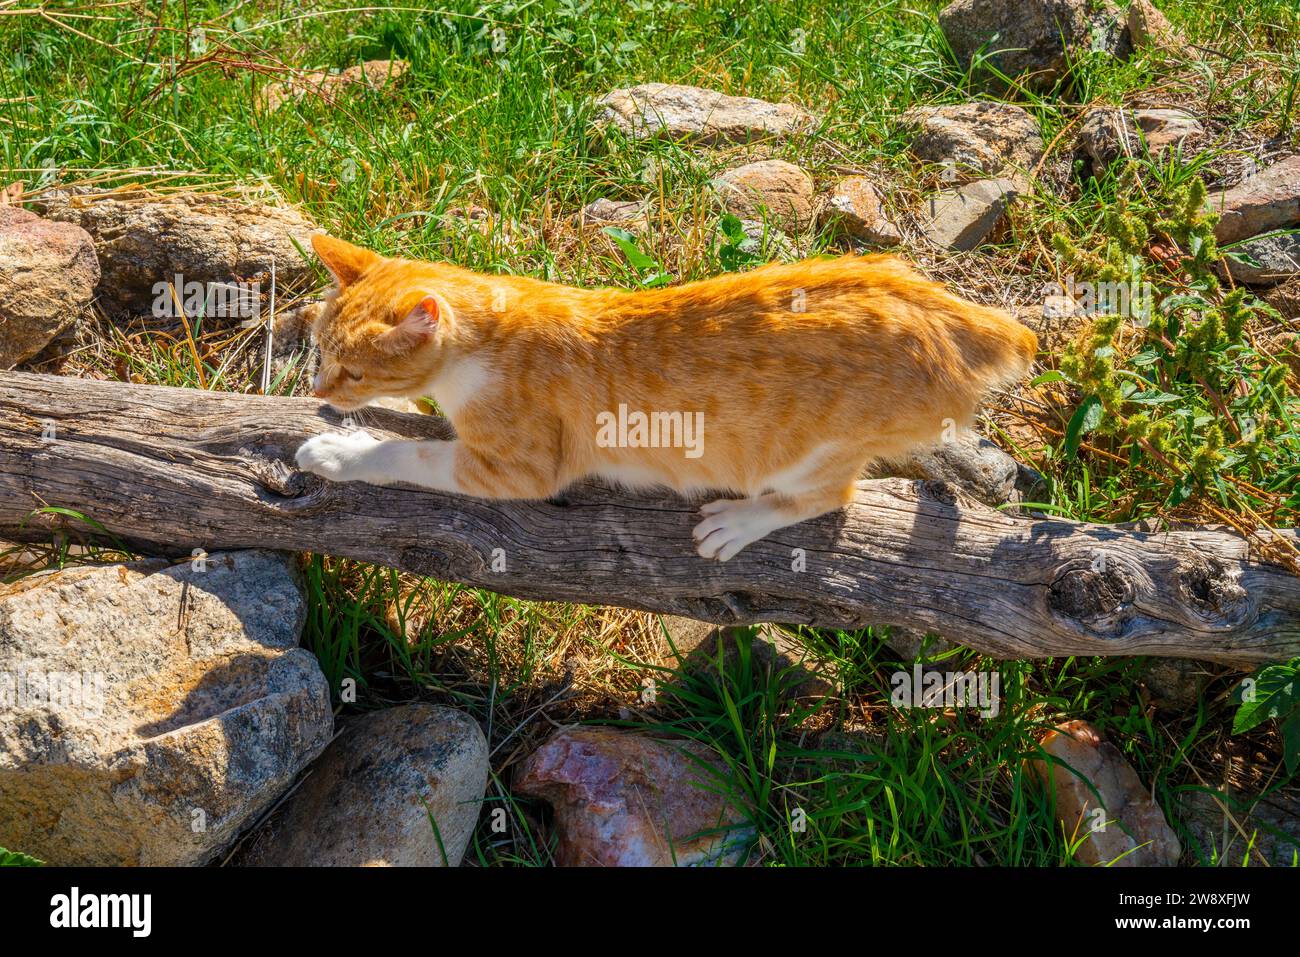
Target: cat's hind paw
[(731, 524), (337, 456)]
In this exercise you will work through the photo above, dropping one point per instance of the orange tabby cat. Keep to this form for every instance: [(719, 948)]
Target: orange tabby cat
[(779, 384)]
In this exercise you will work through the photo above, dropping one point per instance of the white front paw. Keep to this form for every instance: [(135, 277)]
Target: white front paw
[(337, 456), (731, 524)]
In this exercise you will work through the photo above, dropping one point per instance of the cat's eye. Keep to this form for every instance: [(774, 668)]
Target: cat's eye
[(354, 376)]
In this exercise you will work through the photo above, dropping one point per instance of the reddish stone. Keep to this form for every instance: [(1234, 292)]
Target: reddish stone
[(48, 273), (1100, 798), (628, 800)]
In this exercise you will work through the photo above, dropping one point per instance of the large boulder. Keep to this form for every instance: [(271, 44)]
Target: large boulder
[(144, 239), (152, 711), (370, 797), (696, 114), (48, 273), (1032, 39), (1266, 200), (976, 139), (781, 190), (629, 800)]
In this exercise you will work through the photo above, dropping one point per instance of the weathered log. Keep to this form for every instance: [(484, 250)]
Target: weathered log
[(170, 470)]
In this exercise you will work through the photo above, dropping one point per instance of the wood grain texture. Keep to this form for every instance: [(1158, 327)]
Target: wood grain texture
[(170, 470)]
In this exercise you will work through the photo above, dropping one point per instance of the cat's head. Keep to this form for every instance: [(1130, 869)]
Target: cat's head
[(378, 330)]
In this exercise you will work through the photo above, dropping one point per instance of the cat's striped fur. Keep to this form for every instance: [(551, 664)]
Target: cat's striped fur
[(803, 374)]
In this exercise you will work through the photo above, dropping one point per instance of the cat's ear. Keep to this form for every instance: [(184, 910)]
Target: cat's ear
[(344, 260), (416, 329)]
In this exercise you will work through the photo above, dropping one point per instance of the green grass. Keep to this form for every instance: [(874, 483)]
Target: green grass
[(504, 121)]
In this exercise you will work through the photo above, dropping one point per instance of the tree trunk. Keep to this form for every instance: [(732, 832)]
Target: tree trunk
[(173, 470)]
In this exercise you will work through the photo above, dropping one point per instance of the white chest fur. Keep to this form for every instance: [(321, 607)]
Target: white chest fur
[(459, 384)]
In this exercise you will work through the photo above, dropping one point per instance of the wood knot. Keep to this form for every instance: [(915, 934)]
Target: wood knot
[(279, 484), (1095, 592), (1210, 588), (275, 475), (938, 491)]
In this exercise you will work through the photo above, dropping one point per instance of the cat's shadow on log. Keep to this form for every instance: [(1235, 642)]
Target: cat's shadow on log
[(302, 489)]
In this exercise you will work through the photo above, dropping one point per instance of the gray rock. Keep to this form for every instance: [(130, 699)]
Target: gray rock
[(765, 241), (185, 708), (1278, 259), (964, 218), (971, 463), (854, 208), (1216, 823), (1060, 307), (369, 797), (1108, 133), (700, 115), (684, 637), (607, 212), (145, 238), (1033, 37), (48, 273), (980, 138), (781, 189), (1175, 684), (1266, 200), (1031, 487), (1056, 320), (912, 645)]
